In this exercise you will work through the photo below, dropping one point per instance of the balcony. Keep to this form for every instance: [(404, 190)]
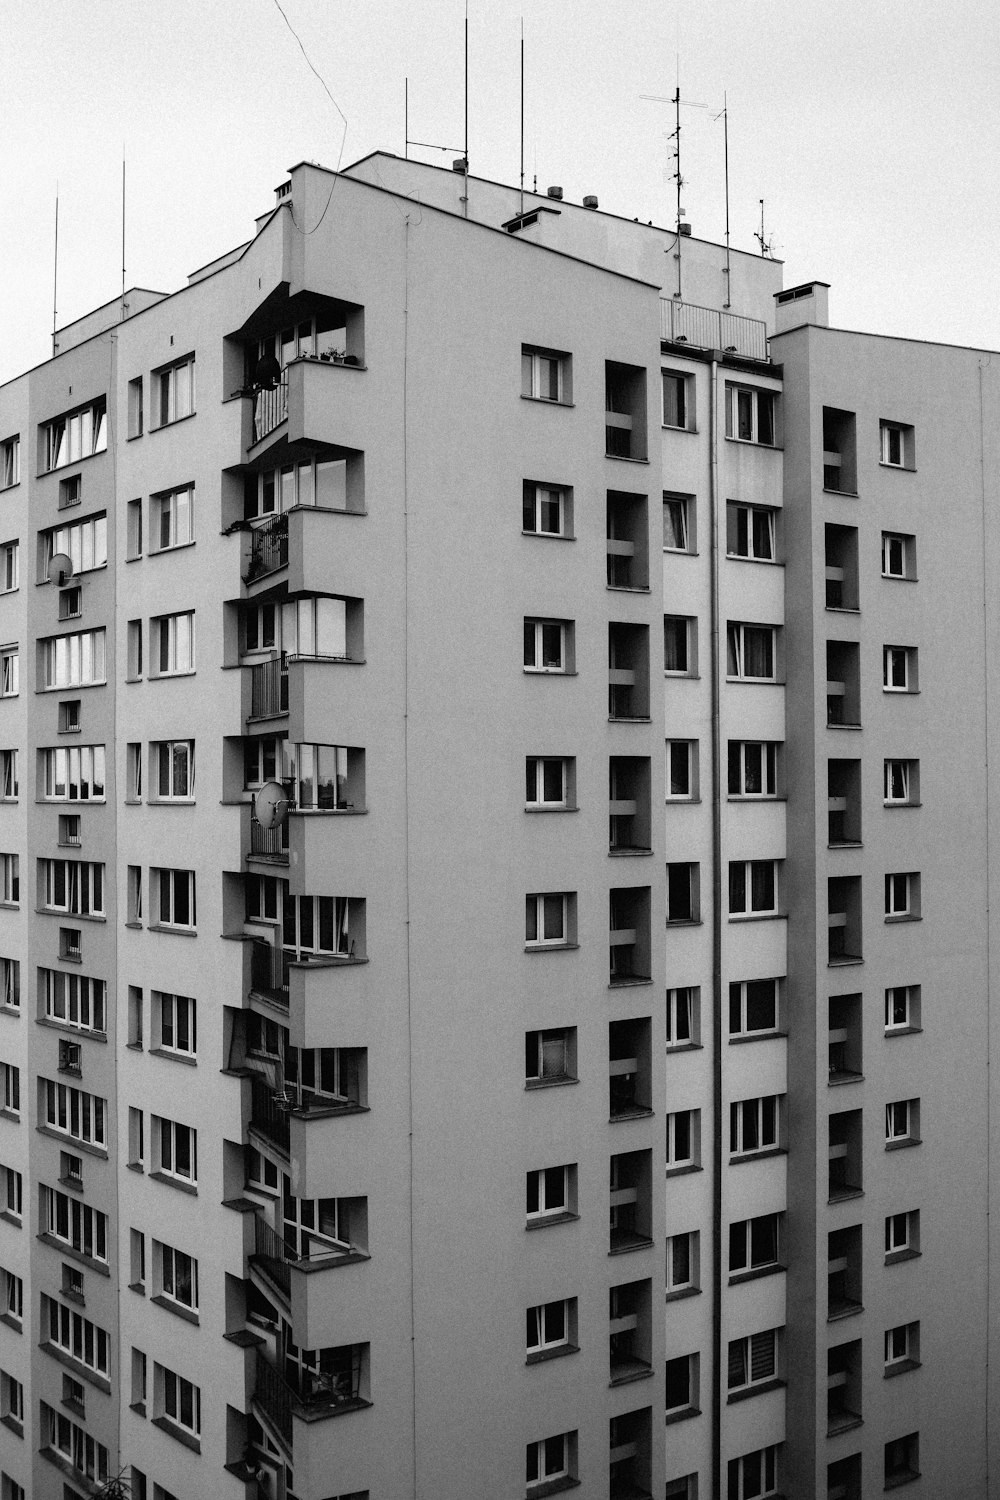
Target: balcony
[(276, 1257), (268, 549), (270, 408), (269, 1111), (269, 688), (334, 1386), (269, 972), (707, 328), (269, 843)]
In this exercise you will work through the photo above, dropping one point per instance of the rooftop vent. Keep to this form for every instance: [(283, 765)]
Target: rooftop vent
[(282, 191), (684, 228), (555, 192), (460, 164), (590, 201)]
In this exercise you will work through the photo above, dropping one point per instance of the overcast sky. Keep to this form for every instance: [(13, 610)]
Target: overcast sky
[(871, 129)]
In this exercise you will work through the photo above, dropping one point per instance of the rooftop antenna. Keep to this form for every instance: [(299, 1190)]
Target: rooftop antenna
[(725, 137), (122, 319), (675, 136), (522, 114), (765, 241), (465, 153), (55, 274), (406, 119)]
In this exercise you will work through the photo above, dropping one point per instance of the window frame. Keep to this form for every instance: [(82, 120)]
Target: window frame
[(765, 774), (168, 1007), (894, 658), (172, 1393), (745, 421), (737, 1479), (689, 1407), (683, 1137), (537, 918), (902, 432), (683, 1010), (743, 1001), (686, 512), (746, 524), (60, 430), (736, 651), (533, 381), (10, 462), (904, 773), (540, 1046), (173, 398), (535, 497), (902, 901), (10, 568), (166, 505), (535, 769), (693, 903), (174, 644), (545, 1185), (167, 1280), (902, 1123), (84, 664), (910, 1009), (748, 1350), (683, 631), (561, 1313), (677, 1286), (748, 873), (756, 1119), (540, 1458), (167, 905), (165, 1153), (906, 1222), (540, 645), (9, 671), (690, 757), (759, 1260), (906, 546), (683, 409), (165, 751)]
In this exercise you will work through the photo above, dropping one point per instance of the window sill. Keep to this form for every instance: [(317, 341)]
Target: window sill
[(757, 797), (682, 1415), (684, 922), (756, 681), (685, 1047), (769, 562), (14, 1425), (756, 1273), (848, 1310), (672, 801), (681, 1292), (76, 916), (854, 724), (179, 1311), (165, 1425), (845, 844), (894, 1483), (552, 1487), (172, 1056), (893, 1257), (549, 536), (913, 1140), (627, 588), (755, 1036), (94, 1377), (629, 981), (837, 1080), (625, 458), (844, 961), (676, 675), (12, 1322), (750, 443), (682, 551), (9, 1218), (673, 427), (904, 917), (174, 1182), (757, 916), (167, 676), (628, 853), (846, 1422), (546, 1221), (639, 1112), (754, 1390), (162, 426), (549, 947), (540, 807), (546, 401), (532, 1084), (902, 1031), (72, 1141), (74, 1031), (842, 1195), (637, 1242), (899, 469), (899, 578), (548, 672), (65, 687), (542, 1356), (743, 1156), (891, 692), (682, 1169), (902, 804), (629, 719), (54, 1243), (902, 1367), (170, 802), (851, 494), (188, 932), (842, 609), (164, 551)]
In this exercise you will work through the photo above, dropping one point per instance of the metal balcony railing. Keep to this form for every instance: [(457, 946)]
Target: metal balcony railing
[(269, 688), (273, 1396), (269, 971), (268, 548), (269, 843), (269, 1113), (708, 328), (269, 1248), (270, 408)]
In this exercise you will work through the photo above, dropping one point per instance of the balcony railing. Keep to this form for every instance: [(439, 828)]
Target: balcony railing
[(270, 408), (269, 1113), (333, 1387), (269, 971), (268, 548), (269, 688), (274, 1397), (269, 843), (707, 328), (269, 1249)]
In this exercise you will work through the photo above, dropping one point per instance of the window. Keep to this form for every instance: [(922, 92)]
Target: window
[(902, 1348), (683, 1016), (902, 897), (682, 1387), (135, 412), (76, 435), (175, 1149), (547, 782), (750, 415), (75, 1335), (680, 645), (175, 1276), (74, 886), (902, 1123), (550, 1056), (12, 1402), (753, 887), (902, 1460), (10, 879), (74, 1445), (9, 569), (753, 1007), (546, 645), (750, 532), (73, 774), (10, 984), (176, 898), (8, 672), (683, 1144), (172, 519), (902, 1235), (753, 1476), (750, 652), (172, 770), (682, 770), (753, 1244), (753, 768), (10, 1089), (550, 1193), (173, 392), (902, 1008), (85, 543), (175, 1023), (75, 1224), (753, 1361), (10, 1489), (69, 716), (11, 1193), (896, 445), (10, 462), (546, 920), (545, 375), (11, 1298), (133, 666), (176, 1400), (682, 1263), (678, 403), (901, 783), (549, 1460), (70, 492), (136, 1138), (753, 1125), (547, 509), (682, 893), (678, 522), (73, 660), (899, 555), (8, 775), (685, 1488), (133, 895), (899, 669), (74, 1112), (549, 1327), (172, 644)]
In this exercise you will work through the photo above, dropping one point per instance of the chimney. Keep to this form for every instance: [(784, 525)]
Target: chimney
[(590, 201), (807, 303)]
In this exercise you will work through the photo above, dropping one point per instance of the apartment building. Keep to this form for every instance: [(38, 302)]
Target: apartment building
[(445, 1046)]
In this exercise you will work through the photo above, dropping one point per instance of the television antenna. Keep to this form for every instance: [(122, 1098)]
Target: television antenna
[(679, 180), (765, 241), (433, 145)]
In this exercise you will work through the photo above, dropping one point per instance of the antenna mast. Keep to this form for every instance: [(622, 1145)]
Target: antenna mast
[(522, 114), (465, 153), (123, 235), (55, 273), (725, 137), (406, 119), (761, 237)]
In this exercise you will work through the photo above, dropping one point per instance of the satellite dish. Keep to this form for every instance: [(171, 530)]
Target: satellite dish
[(60, 569), (267, 373), (271, 804)]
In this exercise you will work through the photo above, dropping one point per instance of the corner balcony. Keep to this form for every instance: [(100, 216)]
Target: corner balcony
[(314, 402), (294, 548), (333, 1387)]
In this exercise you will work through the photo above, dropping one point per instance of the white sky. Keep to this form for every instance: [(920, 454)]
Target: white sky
[(871, 128)]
